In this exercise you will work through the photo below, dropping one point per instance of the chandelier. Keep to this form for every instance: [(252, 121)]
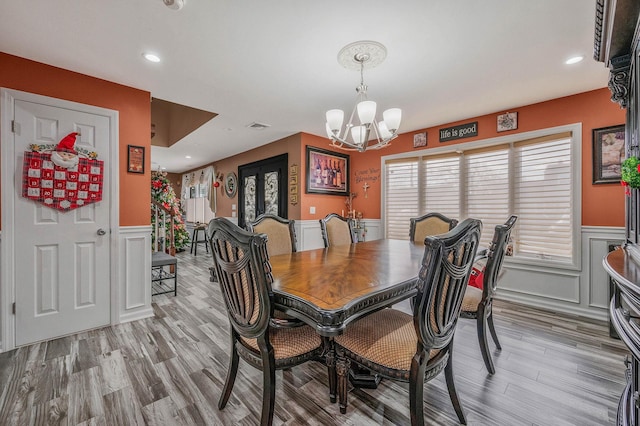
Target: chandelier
[(366, 133)]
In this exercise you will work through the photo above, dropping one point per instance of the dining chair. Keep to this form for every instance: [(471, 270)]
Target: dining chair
[(477, 303), (429, 224), (416, 348), (281, 233), (281, 239), (244, 274), (336, 230)]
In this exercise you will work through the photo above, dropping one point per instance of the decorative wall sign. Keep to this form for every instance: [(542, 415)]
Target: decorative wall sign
[(327, 172), (58, 177), (507, 121), (458, 132), (420, 139), (293, 184), (135, 159)]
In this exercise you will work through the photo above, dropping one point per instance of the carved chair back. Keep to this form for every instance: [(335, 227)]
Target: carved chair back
[(244, 273), (430, 224), (336, 230), (442, 281), (280, 232), (496, 253)]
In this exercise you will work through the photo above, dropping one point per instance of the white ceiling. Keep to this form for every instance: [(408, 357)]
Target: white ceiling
[(275, 62)]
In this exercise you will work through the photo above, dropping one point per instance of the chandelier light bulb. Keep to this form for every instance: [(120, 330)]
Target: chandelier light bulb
[(367, 112), (358, 133), (392, 117), (384, 130), (335, 117)]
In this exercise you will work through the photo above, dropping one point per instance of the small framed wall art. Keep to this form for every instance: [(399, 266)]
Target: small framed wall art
[(420, 139), (507, 121), (135, 159)]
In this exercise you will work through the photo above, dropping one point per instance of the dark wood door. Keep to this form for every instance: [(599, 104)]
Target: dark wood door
[(262, 188)]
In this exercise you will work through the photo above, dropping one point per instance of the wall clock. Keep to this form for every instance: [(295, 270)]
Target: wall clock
[(231, 184)]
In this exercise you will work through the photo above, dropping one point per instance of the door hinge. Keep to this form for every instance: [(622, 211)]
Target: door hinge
[(13, 126), (13, 308)]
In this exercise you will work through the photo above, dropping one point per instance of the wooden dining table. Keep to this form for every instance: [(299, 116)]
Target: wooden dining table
[(331, 287)]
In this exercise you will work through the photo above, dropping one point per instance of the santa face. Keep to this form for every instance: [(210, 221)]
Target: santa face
[(64, 159)]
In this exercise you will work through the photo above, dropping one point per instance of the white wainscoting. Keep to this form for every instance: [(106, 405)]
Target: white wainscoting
[(134, 294), (584, 292)]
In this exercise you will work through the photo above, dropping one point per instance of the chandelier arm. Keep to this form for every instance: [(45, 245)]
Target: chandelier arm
[(339, 143)]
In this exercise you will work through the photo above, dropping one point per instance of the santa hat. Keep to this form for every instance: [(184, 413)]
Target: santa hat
[(67, 143)]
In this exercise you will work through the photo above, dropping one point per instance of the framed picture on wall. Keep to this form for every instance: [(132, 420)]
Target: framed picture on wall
[(327, 172), (135, 159), (608, 154)]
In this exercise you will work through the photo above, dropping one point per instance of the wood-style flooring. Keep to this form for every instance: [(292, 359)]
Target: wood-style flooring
[(553, 370)]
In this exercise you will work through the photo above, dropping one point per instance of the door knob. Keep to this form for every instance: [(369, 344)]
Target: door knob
[(101, 231)]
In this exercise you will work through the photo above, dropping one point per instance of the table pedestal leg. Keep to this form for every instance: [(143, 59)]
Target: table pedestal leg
[(342, 368), (330, 359)]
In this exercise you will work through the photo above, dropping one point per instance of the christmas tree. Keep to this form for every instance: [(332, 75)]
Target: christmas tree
[(162, 192)]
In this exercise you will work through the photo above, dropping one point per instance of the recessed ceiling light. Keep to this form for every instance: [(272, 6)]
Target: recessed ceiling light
[(574, 60), (151, 57), (187, 156)]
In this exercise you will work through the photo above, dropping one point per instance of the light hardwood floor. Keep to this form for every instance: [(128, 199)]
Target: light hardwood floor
[(169, 370)]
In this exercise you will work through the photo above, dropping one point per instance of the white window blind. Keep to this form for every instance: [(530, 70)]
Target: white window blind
[(401, 195), (487, 188), (542, 199), (441, 177)]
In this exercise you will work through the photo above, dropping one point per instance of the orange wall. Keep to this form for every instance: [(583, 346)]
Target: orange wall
[(602, 205), (134, 108)]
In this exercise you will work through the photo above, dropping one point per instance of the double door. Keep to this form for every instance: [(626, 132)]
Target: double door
[(262, 188)]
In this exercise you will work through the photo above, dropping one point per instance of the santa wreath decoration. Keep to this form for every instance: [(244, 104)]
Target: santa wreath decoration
[(62, 176)]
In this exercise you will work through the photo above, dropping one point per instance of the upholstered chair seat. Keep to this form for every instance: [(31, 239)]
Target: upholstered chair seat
[(288, 343), (472, 298), (386, 338)]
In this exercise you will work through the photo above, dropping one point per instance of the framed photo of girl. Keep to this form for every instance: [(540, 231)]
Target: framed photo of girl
[(608, 154), (327, 172)]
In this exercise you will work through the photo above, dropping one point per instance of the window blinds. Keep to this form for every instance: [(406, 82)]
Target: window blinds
[(401, 195), (530, 178)]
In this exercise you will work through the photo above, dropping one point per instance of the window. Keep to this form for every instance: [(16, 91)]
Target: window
[(530, 175), (401, 190)]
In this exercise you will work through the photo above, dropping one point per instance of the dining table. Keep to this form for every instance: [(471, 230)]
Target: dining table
[(329, 288)]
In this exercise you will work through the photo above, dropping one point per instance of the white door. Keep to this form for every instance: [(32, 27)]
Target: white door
[(62, 259)]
